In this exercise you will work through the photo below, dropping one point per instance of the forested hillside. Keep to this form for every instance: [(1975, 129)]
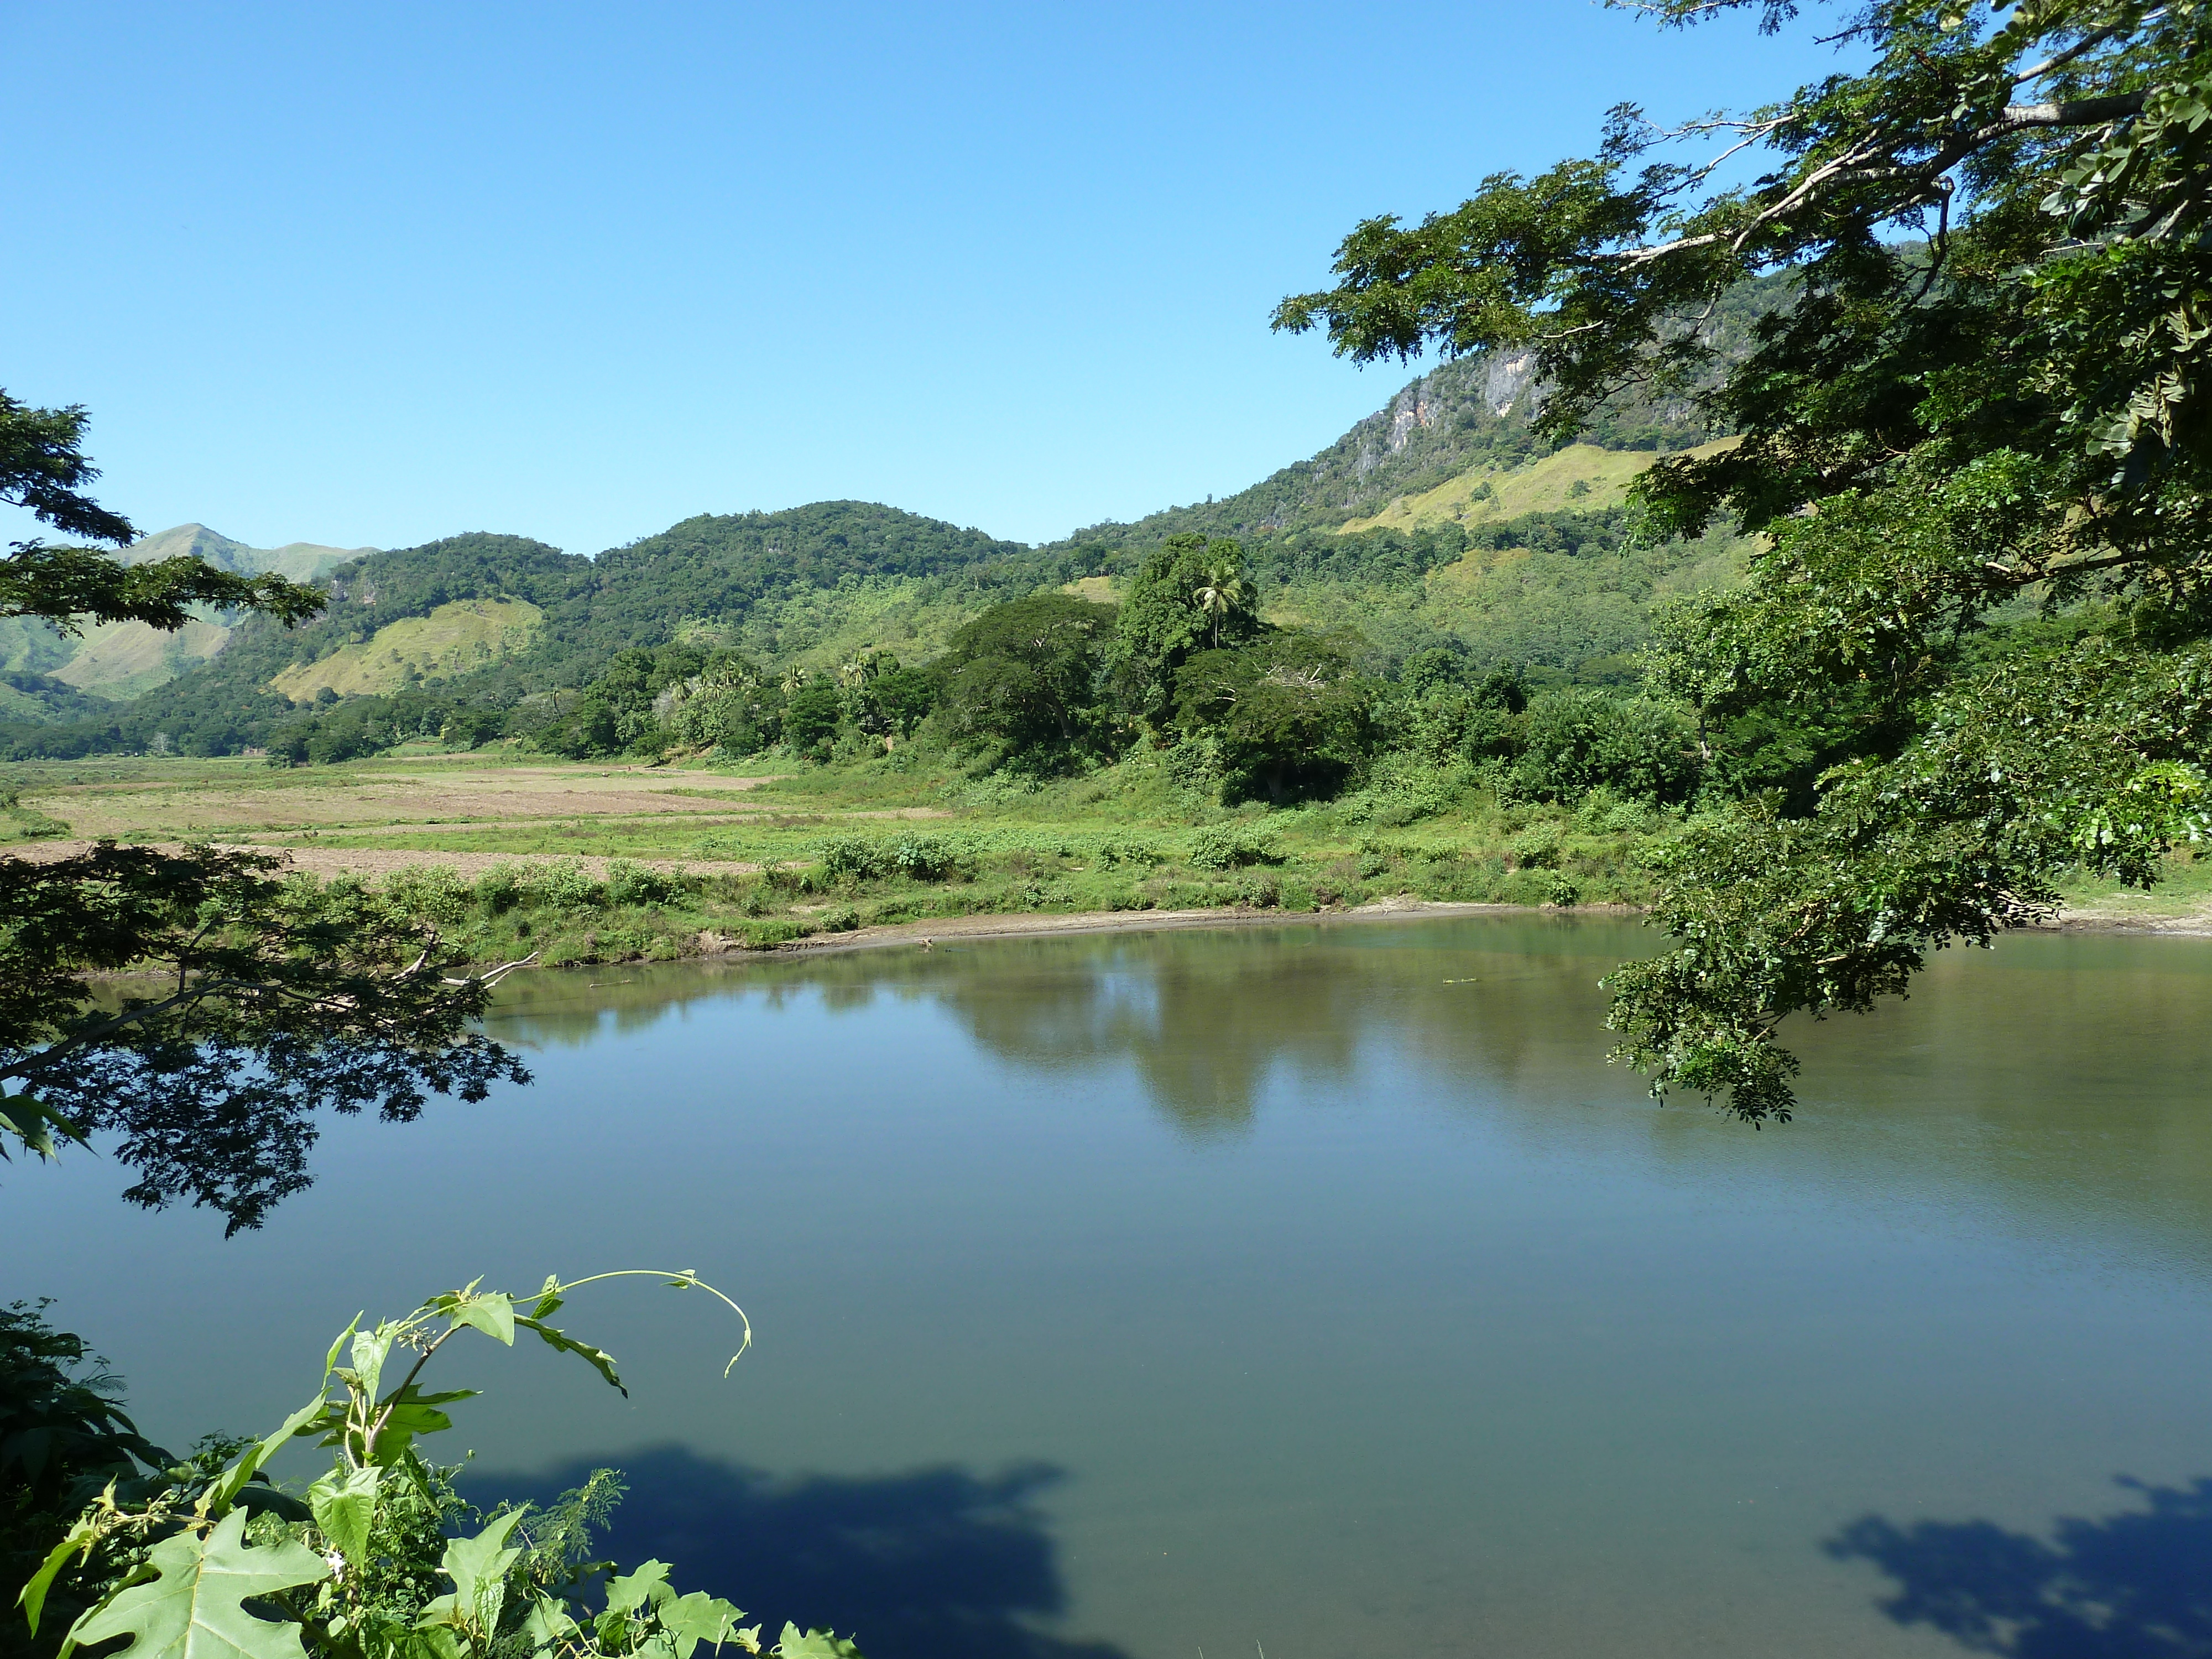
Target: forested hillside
[(1442, 520)]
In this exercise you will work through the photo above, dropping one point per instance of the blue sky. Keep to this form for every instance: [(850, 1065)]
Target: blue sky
[(372, 274)]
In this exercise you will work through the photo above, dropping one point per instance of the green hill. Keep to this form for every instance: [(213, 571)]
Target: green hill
[(1440, 518), (118, 661)]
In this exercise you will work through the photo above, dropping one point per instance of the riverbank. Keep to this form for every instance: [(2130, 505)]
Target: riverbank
[(588, 865)]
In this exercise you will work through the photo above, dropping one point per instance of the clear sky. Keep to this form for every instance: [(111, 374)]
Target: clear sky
[(372, 274)]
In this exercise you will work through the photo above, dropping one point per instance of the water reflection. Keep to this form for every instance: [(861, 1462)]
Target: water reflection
[(1205, 1018), (2135, 1585), (937, 1564), (2065, 1072)]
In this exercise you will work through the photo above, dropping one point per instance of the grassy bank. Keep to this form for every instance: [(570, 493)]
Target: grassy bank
[(584, 864)]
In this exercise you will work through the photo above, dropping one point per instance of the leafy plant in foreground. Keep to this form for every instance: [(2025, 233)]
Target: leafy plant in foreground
[(232, 1568)]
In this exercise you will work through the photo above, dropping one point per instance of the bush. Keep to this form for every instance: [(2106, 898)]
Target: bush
[(1536, 848), (928, 858), (431, 893), (499, 890), (1229, 848), (633, 883), (1576, 740), (567, 886), (850, 855)]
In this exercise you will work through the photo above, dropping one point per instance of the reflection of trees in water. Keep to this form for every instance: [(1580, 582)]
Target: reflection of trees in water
[(2137, 1585), (2064, 1077), (935, 1563)]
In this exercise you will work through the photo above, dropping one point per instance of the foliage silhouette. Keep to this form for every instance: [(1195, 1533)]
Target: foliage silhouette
[(2135, 1585), (935, 1563)]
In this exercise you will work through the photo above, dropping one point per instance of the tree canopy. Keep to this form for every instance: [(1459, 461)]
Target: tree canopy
[(1974, 434), (191, 1004)]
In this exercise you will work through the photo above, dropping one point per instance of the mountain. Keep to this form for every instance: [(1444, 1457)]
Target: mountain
[(118, 661), (302, 562), (1441, 518), (1466, 418)]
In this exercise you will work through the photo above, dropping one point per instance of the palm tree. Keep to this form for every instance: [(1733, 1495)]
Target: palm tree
[(1222, 592), (794, 680)]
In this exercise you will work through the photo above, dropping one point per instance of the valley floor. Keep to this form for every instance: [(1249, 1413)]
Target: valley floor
[(598, 862)]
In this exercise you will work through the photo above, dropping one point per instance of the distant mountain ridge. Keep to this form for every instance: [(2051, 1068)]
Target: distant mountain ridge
[(117, 661), (300, 561)]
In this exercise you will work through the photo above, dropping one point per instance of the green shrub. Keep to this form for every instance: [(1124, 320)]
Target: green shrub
[(929, 858), (633, 883), (1536, 848), (431, 893), (1575, 740), (499, 890), (568, 886), (1230, 847), (856, 856)]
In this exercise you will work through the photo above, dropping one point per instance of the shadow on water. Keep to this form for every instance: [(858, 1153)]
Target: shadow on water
[(2137, 1585), (922, 1565)]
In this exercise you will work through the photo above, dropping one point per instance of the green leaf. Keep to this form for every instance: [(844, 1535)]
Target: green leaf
[(478, 1567), (232, 1481), (492, 1313), (633, 1590), (370, 1349), (32, 1596), (599, 1361), (33, 1124), (344, 1508), (699, 1617), (814, 1644), (331, 1360), (194, 1609), (547, 1622)]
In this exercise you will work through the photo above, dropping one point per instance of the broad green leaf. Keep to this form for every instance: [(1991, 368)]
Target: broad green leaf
[(547, 1622), (814, 1644), (344, 1508), (370, 1349), (633, 1590), (699, 1617), (492, 1313), (345, 1336), (598, 1359), (478, 1567), (232, 1481), (193, 1610), (32, 1596)]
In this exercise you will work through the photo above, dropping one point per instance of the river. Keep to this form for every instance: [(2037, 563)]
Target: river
[(1310, 1290)]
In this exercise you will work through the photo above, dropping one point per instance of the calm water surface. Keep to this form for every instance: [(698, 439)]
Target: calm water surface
[(1316, 1287)]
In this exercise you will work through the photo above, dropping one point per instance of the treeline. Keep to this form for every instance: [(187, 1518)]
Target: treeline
[(1050, 683)]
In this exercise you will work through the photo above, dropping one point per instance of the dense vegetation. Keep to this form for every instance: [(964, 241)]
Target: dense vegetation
[(379, 1558), (1986, 396)]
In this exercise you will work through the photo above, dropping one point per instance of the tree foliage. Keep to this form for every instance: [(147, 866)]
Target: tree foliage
[(192, 1006), (1986, 392), (1022, 683)]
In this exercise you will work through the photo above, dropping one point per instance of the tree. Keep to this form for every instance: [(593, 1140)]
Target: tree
[(1985, 394), (192, 1004), (1223, 594), (1022, 682), (1288, 715), (1163, 620), (42, 467)]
